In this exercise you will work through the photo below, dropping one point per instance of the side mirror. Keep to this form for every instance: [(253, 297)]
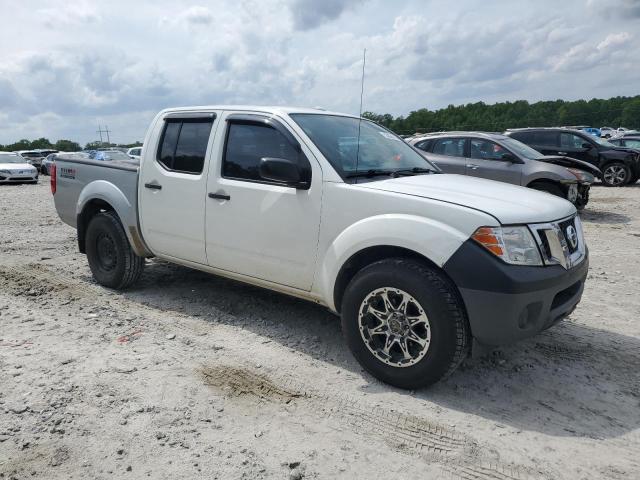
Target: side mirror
[(510, 157), (285, 171), (587, 146)]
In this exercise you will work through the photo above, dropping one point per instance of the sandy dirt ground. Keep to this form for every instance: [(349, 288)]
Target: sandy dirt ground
[(192, 376)]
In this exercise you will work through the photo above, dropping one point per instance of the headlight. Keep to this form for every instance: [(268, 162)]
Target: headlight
[(581, 175), (514, 245)]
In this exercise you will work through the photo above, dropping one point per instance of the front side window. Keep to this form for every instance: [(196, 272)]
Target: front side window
[(569, 140), (247, 144), (452, 147), (486, 150), (184, 145)]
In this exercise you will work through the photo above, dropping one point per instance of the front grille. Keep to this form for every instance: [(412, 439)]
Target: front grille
[(561, 242), (568, 228)]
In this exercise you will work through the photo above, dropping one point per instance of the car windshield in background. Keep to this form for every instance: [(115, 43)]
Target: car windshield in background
[(11, 158), (521, 149), (380, 150), (603, 142), (31, 155), (109, 155)]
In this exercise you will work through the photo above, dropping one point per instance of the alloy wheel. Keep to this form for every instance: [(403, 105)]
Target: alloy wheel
[(615, 175), (394, 327)]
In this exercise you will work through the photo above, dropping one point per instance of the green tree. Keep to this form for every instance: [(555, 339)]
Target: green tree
[(67, 146)]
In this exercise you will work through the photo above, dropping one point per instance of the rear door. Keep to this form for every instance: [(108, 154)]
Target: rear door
[(173, 186), (256, 227), (486, 161), (449, 154)]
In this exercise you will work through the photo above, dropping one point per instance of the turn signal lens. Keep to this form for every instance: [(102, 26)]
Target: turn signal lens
[(486, 236), (513, 244)]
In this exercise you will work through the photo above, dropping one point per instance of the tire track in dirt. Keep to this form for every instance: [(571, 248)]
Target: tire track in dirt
[(458, 455)]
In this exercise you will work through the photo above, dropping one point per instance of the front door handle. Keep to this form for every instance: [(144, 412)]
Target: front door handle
[(219, 196), (153, 186)]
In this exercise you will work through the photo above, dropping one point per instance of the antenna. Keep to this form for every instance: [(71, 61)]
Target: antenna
[(364, 62)]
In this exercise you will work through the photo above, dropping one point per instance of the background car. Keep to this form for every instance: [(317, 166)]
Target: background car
[(14, 169), (32, 157), (628, 141), (135, 153), (498, 157), (590, 130), (619, 165), (45, 168)]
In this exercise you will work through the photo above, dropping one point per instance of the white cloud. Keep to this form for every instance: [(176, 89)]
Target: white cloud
[(121, 61)]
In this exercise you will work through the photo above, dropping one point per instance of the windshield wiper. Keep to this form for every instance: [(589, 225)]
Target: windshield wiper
[(371, 173), (414, 171)]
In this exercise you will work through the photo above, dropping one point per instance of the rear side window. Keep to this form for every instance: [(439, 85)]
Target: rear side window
[(452, 147), (247, 144), (184, 145), (545, 138), (423, 145)]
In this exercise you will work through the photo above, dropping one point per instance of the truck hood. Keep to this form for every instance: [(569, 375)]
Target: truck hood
[(509, 204)]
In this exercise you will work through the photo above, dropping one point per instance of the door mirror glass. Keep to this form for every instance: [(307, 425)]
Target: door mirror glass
[(509, 157), (282, 170)]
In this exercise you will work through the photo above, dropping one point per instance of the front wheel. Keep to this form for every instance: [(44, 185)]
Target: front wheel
[(112, 261), (405, 323), (616, 174)]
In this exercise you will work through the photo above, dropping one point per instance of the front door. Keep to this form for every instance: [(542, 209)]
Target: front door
[(575, 146), (256, 227), (486, 161), (173, 186)]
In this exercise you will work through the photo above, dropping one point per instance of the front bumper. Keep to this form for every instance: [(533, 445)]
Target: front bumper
[(506, 303), (18, 177)]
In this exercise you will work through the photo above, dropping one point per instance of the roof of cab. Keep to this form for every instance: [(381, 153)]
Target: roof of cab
[(257, 108)]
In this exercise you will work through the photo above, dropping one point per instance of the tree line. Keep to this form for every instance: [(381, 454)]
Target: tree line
[(613, 112), (60, 145)]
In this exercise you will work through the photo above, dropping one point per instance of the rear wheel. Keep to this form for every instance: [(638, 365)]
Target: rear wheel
[(616, 174), (405, 323), (111, 258)]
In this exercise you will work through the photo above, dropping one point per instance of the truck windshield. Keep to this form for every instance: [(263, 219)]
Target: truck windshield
[(379, 151)]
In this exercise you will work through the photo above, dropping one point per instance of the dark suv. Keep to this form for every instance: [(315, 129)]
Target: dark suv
[(619, 165)]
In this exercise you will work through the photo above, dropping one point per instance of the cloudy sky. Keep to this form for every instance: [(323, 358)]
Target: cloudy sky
[(66, 66)]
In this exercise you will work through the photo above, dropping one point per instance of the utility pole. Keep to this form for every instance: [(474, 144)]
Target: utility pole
[(107, 131)]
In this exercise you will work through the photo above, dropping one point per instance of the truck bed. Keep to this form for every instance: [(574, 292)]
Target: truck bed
[(79, 179)]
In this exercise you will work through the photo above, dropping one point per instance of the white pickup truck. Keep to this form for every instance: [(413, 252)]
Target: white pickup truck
[(339, 211)]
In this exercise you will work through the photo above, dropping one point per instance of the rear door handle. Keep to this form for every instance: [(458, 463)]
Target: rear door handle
[(153, 186), (219, 196)]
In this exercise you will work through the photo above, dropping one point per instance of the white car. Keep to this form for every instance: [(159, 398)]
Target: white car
[(135, 153), (608, 132), (14, 169)]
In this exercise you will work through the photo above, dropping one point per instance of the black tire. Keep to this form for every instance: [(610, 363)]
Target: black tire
[(616, 174), (436, 295), (111, 258)]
